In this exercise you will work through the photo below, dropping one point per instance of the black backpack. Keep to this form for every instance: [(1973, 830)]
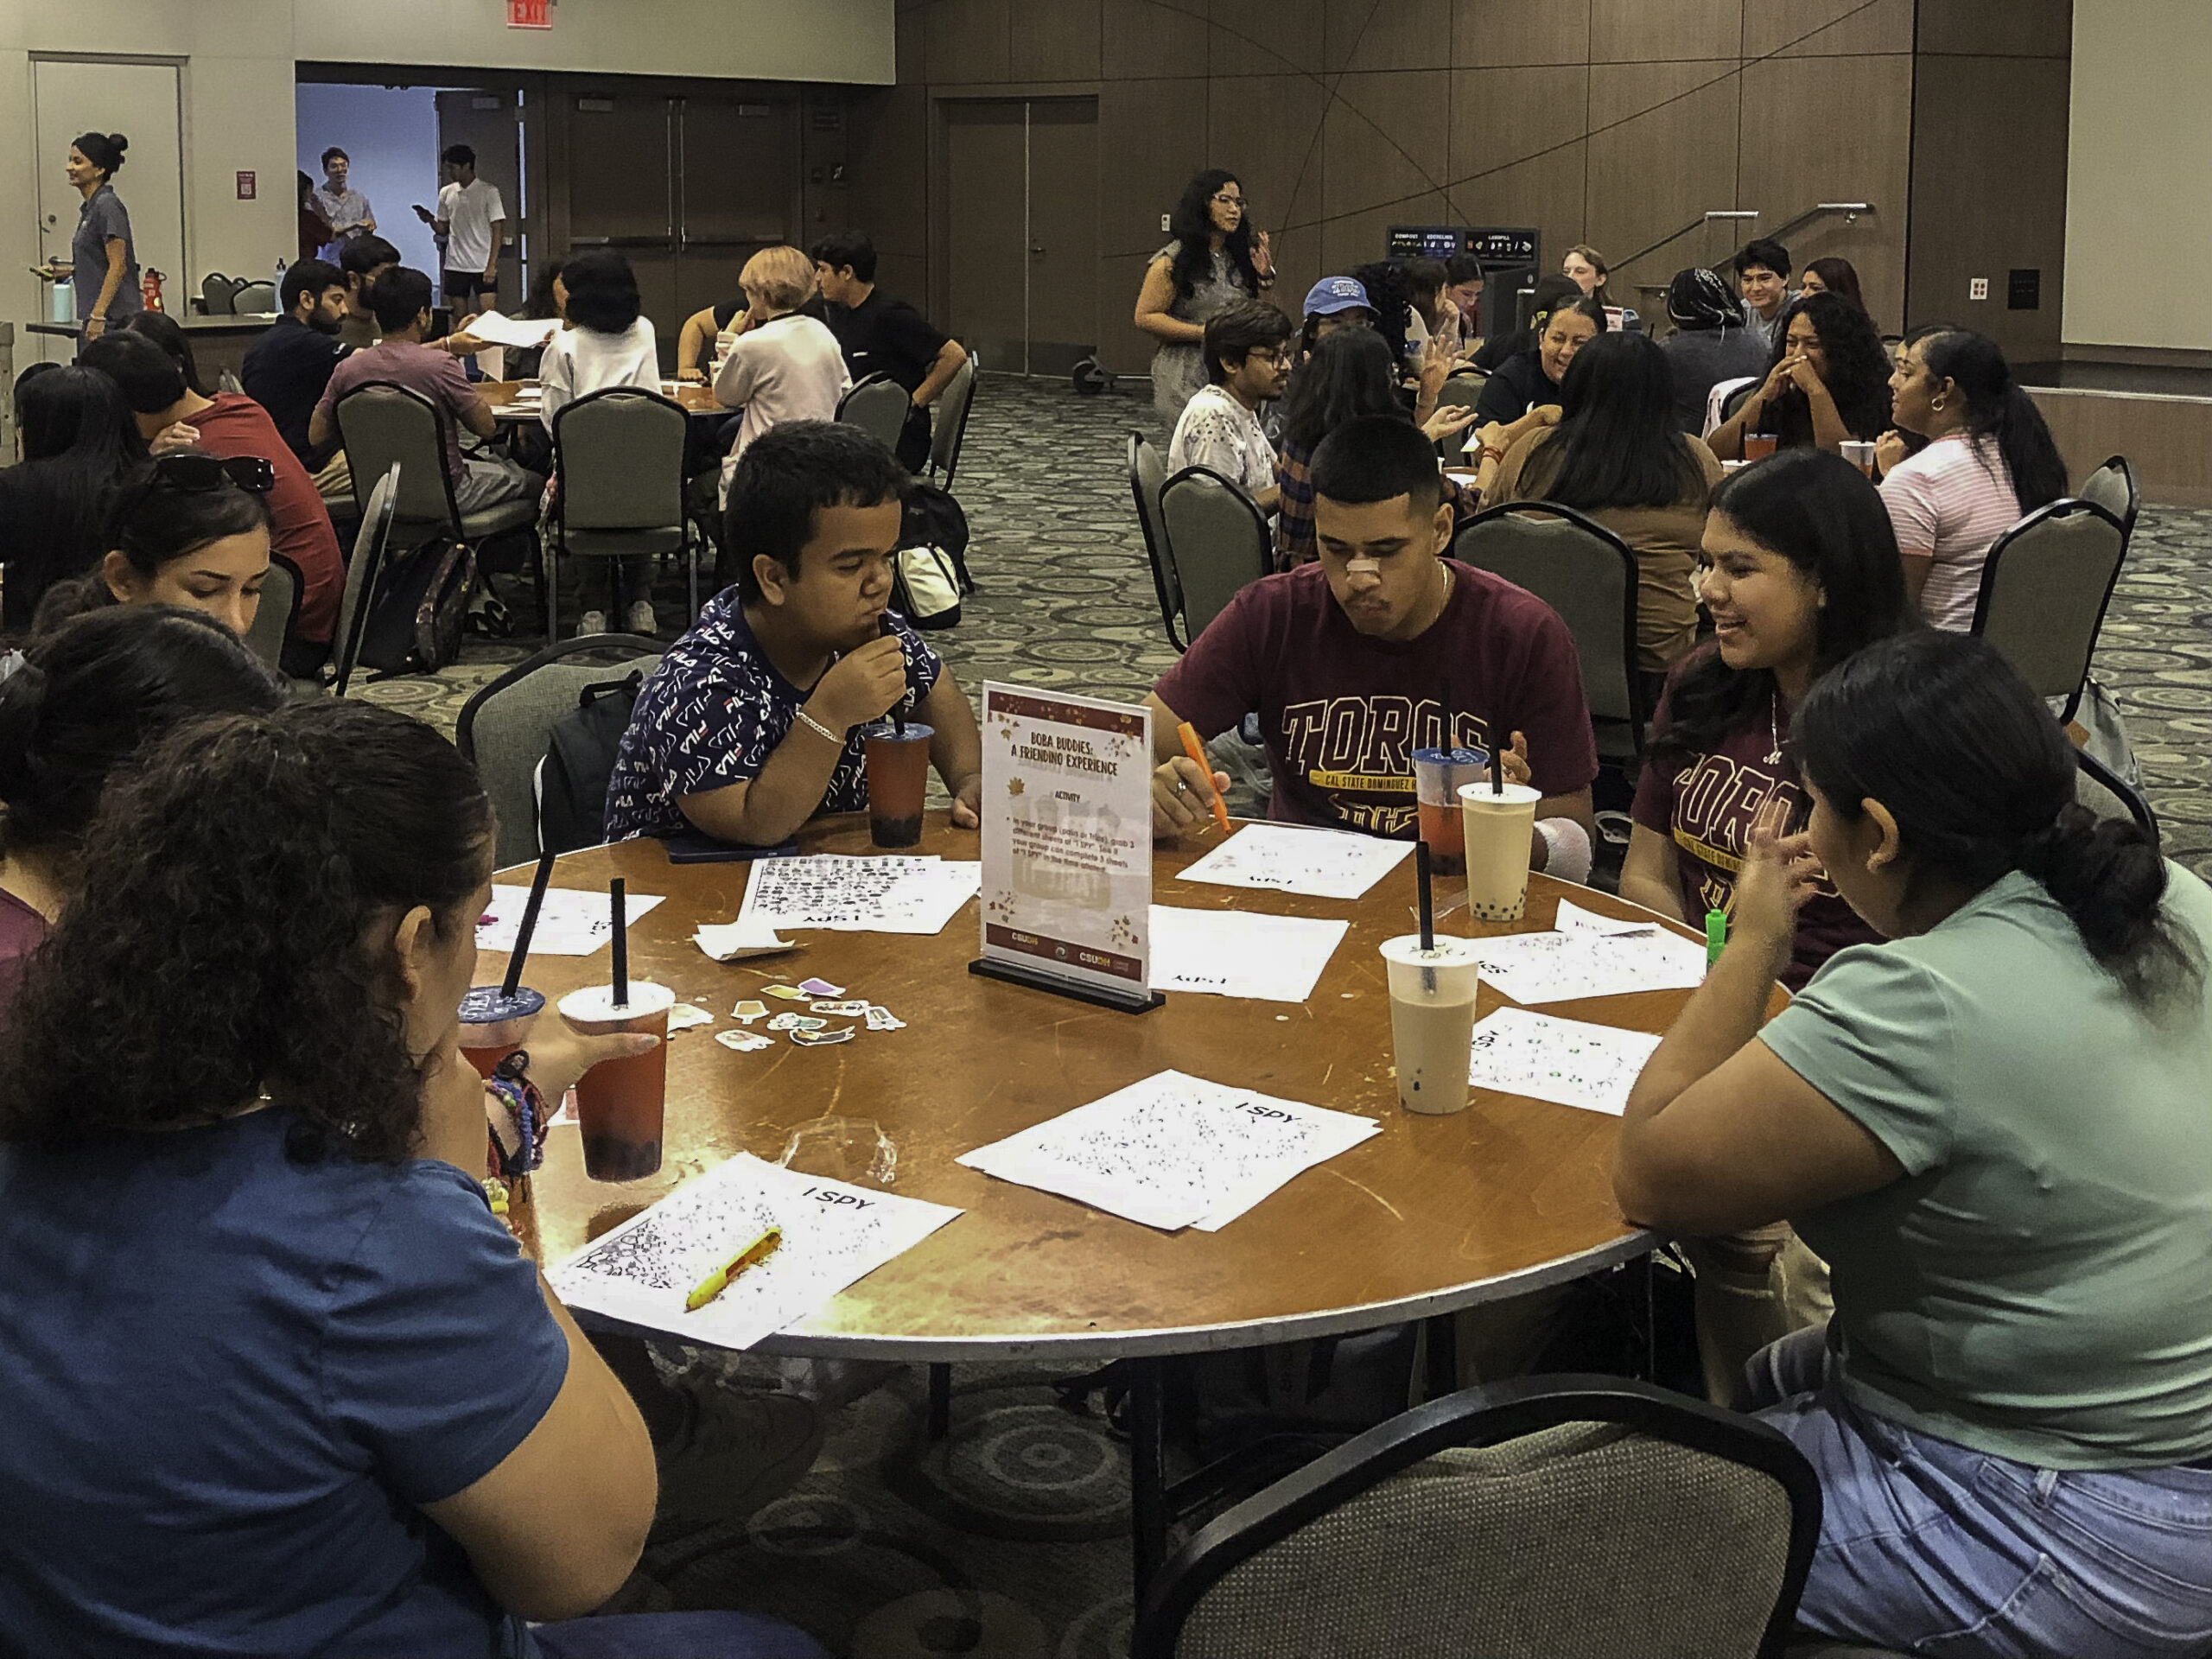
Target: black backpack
[(415, 609), (934, 520), (579, 751)]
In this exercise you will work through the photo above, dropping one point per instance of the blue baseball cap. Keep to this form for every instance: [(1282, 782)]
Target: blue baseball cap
[(1334, 294)]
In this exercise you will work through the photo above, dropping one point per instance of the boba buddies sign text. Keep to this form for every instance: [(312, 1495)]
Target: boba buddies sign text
[(1067, 836)]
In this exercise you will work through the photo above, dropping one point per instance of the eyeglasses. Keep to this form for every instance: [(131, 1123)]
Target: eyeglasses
[(199, 474), (1281, 358), (1225, 199)]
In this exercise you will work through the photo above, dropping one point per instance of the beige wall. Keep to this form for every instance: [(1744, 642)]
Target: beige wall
[(2139, 173), (1612, 122), (237, 60)]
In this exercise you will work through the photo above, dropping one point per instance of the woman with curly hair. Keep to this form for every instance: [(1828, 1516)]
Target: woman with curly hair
[(279, 1381), (1828, 382), (84, 700), (1216, 259)]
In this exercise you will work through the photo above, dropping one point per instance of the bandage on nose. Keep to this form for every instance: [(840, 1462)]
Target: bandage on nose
[(1363, 567)]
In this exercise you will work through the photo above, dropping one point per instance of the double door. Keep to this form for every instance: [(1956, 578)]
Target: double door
[(688, 187), (1020, 230)]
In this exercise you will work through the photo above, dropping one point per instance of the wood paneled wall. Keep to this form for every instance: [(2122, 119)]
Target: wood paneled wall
[(1611, 121)]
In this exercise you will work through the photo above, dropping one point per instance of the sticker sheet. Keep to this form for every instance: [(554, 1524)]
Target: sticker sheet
[(572, 922), (1568, 1061), (851, 895), (1240, 952), (1288, 858)]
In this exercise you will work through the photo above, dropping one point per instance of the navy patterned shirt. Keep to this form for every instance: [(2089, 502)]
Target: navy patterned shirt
[(712, 714)]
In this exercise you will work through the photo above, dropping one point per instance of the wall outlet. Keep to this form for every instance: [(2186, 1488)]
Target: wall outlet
[(1163, 221), (1977, 288)]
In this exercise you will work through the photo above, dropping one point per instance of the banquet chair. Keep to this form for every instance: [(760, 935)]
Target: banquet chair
[(2044, 587), (878, 405), (256, 299), (219, 292), (2114, 487), (1462, 390), (280, 603), (370, 538), (619, 453), (1148, 472), (950, 429), (503, 729), (2108, 795), (1587, 575), (1551, 1517), (1218, 543)]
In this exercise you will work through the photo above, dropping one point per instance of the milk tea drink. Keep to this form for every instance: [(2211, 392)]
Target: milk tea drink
[(1432, 1020)]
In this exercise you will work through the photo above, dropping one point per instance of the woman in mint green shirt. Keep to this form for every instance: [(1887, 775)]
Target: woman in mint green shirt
[(1997, 1127)]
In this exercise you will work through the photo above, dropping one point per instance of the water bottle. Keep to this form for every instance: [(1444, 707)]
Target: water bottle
[(276, 292)]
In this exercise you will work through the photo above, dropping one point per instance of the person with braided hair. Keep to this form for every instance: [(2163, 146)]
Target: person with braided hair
[(1995, 1127)]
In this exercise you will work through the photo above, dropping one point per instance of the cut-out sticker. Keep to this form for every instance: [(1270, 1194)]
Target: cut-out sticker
[(745, 1042)]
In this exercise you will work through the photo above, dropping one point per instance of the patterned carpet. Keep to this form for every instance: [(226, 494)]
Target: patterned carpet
[(1008, 1540)]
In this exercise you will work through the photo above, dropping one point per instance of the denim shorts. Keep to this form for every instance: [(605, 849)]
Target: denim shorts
[(1933, 1547)]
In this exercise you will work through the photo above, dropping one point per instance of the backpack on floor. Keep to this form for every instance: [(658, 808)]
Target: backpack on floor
[(923, 588), (416, 609), (934, 520), (579, 751)]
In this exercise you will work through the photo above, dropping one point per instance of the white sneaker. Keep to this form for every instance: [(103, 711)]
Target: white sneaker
[(641, 617), (591, 622)]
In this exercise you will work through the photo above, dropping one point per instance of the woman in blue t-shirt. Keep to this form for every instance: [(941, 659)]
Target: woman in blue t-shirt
[(278, 1383), (1995, 1127)]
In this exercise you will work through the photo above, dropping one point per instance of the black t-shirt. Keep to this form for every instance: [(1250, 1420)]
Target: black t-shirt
[(887, 336), (285, 371), (1518, 386)]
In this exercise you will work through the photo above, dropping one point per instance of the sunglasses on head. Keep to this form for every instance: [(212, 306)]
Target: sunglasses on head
[(198, 475)]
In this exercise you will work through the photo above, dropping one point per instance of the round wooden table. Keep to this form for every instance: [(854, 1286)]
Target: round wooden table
[(1434, 1215), (698, 401)]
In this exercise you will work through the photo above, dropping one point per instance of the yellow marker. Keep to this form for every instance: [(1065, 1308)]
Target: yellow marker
[(717, 1281)]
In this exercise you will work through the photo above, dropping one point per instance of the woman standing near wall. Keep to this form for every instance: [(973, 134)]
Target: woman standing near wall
[(1215, 260), (103, 263)]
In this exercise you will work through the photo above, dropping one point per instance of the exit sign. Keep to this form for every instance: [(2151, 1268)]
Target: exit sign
[(529, 13)]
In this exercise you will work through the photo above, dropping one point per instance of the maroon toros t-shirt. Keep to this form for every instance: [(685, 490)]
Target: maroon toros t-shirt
[(1341, 712), (1707, 806)]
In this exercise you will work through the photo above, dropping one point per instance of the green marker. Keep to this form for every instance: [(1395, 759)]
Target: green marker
[(1716, 935)]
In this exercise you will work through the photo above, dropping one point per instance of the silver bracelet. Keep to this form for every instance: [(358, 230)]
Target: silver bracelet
[(812, 724)]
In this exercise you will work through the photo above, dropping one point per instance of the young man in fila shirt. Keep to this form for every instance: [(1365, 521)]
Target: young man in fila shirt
[(1349, 662), (1802, 571)]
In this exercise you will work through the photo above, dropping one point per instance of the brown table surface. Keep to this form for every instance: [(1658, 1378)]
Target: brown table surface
[(1432, 1215), (500, 394)]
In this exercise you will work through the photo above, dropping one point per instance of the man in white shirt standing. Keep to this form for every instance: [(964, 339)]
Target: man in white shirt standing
[(1247, 355), (473, 223)]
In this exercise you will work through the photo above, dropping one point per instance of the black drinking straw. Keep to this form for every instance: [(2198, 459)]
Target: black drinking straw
[(529, 924), (616, 902), (898, 717), (1496, 766), (1427, 912), (1451, 742)]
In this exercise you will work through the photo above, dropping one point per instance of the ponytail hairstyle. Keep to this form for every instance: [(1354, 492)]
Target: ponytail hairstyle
[(1997, 409), (92, 693), (1820, 513), (1192, 225), (230, 935), (1941, 730), (103, 149)]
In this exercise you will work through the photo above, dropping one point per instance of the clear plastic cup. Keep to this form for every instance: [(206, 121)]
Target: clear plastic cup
[(1758, 446), (1495, 828), (1432, 1020), (898, 780), (1438, 774), (620, 1104), (1860, 454), (493, 1026)]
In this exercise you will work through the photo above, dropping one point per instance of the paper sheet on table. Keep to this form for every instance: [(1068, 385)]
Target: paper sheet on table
[(497, 328), (745, 936), (1174, 1151), (571, 923), (835, 1235), (1239, 952), (1288, 858), (858, 894), (1590, 958), (1569, 1061)]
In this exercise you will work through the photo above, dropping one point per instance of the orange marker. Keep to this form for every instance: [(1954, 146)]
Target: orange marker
[(1197, 751)]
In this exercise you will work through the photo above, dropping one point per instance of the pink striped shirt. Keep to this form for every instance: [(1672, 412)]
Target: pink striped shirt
[(1950, 502)]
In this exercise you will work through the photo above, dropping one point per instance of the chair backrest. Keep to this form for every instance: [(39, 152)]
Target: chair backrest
[(1148, 472), (1583, 571), (384, 426), (228, 381), (1554, 1516), (620, 456), (1460, 391), (2108, 795), (951, 427), (218, 293), (503, 729), (280, 603), (2113, 486), (254, 297), (2044, 587), (1218, 543), (369, 543), (878, 405)]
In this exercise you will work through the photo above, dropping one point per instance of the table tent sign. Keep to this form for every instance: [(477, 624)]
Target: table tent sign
[(1067, 846)]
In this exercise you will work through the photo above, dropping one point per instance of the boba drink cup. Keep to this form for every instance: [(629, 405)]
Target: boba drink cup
[(1438, 775), (620, 1103), (1432, 1020), (494, 1025), (898, 778), (1495, 828)]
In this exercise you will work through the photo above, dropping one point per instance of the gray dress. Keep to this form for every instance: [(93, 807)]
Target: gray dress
[(1179, 370)]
